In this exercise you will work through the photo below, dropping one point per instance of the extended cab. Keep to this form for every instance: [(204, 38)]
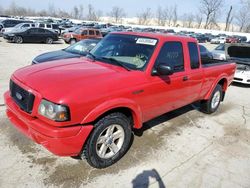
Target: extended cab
[(80, 34), (88, 106)]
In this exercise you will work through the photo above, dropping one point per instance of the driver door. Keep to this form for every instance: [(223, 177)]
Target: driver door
[(167, 92)]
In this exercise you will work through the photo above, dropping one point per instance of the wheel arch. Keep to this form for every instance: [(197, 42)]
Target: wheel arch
[(125, 106), (223, 82)]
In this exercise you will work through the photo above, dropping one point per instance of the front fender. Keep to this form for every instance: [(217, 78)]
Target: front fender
[(113, 104)]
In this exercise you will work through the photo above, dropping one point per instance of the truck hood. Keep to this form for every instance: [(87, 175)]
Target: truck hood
[(69, 76)]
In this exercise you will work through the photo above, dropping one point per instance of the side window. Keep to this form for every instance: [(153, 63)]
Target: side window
[(91, 32), (42, 25), (26, 25), (41, 31), (85, 32), (32, 31), (55, 27), (194, 55), (97, 32), (33, 25), (49, 26), (171, 54)]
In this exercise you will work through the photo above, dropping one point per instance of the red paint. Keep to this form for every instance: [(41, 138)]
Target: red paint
[(90, 89)]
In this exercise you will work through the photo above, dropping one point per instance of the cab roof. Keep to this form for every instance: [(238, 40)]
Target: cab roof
[(159, 36)]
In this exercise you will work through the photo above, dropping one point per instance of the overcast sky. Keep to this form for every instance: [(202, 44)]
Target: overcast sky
[(131, 7)]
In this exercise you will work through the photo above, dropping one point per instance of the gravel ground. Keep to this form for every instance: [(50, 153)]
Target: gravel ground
[(183, 148)]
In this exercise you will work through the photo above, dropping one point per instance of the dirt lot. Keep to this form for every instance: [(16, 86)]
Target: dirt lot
[(184, 148)]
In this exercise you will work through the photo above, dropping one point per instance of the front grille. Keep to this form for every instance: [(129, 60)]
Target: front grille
[(238, 79), (23, 98)]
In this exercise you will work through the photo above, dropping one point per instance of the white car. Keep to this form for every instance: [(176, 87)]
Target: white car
[(50, 26), (240, 54), (242, 74), (18, 26), (218, 40)]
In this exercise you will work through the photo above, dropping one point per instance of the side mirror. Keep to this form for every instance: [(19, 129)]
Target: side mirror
[(163, 70)]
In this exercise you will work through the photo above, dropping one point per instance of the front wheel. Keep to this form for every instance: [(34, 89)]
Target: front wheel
[(18, 39), (109, 141), (211, 105)]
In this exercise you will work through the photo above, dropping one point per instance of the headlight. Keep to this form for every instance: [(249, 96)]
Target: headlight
[(56, 112)]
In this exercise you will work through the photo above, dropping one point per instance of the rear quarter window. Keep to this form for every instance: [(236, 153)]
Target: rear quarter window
[(194, 55)]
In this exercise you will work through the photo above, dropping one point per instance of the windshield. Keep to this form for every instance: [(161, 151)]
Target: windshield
[(131, 51), (18, 25), (82, 47), (221, 47), (202, 48)]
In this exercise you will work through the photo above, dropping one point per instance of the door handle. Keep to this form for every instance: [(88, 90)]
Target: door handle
[(185, 78)]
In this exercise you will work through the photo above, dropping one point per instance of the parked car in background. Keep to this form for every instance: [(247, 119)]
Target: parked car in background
[(240, 53), (71, 29), (219, 52), (201, 38), (232, 40), (80, 34), (76, 50), (31, 35), (218, 40), (18, 26), (205, 53), (12, 23), (50, 26)]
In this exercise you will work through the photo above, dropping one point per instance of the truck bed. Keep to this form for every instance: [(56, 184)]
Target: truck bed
[(213, 62)]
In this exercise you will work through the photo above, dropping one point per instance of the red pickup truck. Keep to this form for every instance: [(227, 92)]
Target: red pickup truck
[(88, 106)]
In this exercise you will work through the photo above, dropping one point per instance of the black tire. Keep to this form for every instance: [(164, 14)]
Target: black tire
[(49, 40), (209, 106), (18, 39), (72, 41), (90, 151)]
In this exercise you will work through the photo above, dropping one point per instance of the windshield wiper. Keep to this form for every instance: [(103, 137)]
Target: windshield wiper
[(116, 62), (91, 56)]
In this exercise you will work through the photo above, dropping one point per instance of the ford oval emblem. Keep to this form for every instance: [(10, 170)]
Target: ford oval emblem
[(19, 96)]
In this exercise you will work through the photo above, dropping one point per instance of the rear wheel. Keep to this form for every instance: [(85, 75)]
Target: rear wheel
[(109, 141), (211, 105), (18, 39), (49, 40)]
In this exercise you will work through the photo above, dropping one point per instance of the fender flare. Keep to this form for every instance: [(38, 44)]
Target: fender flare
[(221, 77), (113, 104)]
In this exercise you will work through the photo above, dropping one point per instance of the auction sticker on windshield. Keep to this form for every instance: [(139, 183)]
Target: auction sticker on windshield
[(146, 41)]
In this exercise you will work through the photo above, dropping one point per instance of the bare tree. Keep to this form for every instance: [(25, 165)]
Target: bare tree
[(210, 8), (93, 15), (75, 12), (63, 14), (161, 15), (169, 14), (175, 16), (117, 14), (51, 10), (1, 10), (242, 17), (198, 20), (144, 17), (81, 8), (229, 19)]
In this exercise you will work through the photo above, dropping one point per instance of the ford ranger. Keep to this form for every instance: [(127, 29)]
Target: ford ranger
[(89, 106)]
